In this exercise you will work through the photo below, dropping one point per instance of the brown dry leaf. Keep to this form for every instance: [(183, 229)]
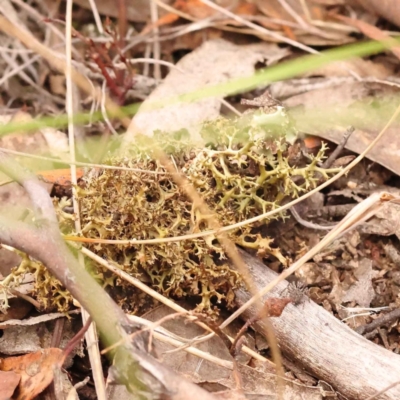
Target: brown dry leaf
[(294, 12), (138, 10), (386, 222), (217, 378), (388, 9), (363, 68), (262, 385), (367, 106), (214, 62), (36, 371), (369, 30), (195, 369), (8, 383), (362, 291), (276, 305)]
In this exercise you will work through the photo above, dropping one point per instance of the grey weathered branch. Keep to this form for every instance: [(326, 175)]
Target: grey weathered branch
[(329, 349), (43, 241)]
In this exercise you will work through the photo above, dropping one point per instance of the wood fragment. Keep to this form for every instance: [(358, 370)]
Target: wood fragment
[(324, 346)]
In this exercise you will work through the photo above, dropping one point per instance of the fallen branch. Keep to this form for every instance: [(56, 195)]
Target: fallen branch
[(323, 345)]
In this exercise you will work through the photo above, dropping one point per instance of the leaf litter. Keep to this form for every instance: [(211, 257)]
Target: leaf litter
[(358, 271)]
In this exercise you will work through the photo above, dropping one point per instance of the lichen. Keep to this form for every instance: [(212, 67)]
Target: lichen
[(245, 169), (48, 290)]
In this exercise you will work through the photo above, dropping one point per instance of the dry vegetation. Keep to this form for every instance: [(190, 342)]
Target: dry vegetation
[(260, 211)]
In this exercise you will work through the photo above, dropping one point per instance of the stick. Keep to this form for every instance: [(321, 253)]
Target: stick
[(326, 347)]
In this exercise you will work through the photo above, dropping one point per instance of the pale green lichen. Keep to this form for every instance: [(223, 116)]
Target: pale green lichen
[(244, 170)]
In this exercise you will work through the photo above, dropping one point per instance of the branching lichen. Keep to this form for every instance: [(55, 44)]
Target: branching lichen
[(244, 170)]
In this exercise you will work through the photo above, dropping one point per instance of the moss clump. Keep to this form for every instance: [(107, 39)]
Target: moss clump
[(246, 168)]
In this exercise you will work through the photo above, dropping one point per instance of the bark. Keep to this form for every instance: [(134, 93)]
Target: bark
[(324, 346)]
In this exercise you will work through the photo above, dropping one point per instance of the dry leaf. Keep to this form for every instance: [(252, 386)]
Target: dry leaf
[(8, 383), (362, 291), (363, 68), (214, 62), (276, 305), (388, 9), (35, 369), (256, 383), (369, 30), (216, 377), (28, 339), (138, 10), (386, 222), (329, 111)]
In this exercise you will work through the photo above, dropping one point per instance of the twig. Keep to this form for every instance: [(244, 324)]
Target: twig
[(329, 161), (156, 43), (27, 298), (159, 297), (324, 346), (77, 338), (96, 16), (308, 224), (383, 391), (383, 320), (234, 349), (78, 163), (273, 308)]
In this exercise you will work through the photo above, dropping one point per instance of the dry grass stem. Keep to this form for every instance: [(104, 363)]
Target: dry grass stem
[(58, 63), (91, 336), (164, 300)]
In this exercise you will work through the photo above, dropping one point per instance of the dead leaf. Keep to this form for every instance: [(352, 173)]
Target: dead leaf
[(36, 320), (194, 368), (35, 369), (362, 291), (138, 10), (327, 112), (214, 62), (386, 222), (8, 383), (370, 31), (214, 377), (28, 339), (276, 305), (363, 68), (388, 9), (256, 383)]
